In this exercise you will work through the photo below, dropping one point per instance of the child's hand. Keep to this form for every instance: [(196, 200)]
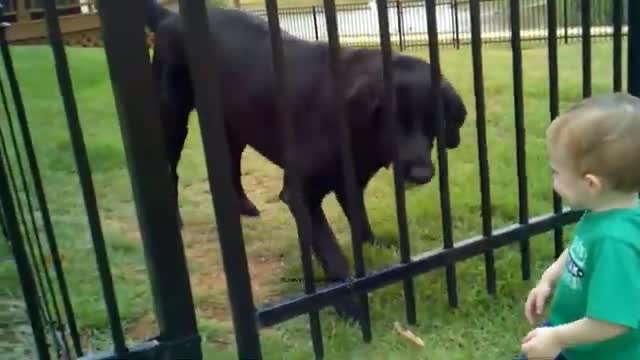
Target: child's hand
[(541, 343), (536, 301)]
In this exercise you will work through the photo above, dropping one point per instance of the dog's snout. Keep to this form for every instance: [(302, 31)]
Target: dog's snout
[(420, 173), (423, 173)]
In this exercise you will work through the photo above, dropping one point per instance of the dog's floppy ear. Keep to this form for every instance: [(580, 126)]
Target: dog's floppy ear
[(455, 113), (363, 97)]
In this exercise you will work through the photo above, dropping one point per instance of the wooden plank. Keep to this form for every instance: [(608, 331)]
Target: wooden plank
[(37, 29), (28, 29), (21, 11)]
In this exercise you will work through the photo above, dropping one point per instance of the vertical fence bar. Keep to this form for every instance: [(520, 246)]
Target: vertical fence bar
[(3, 225), (541, 20), (292, 170), (355, 203), (203, 63), (530, 18), (485, 189), (139, 113), (633, 52), (617, 45), (566, 22), (315, 22), (523, 204), (39, 189), (399, 19), (36, 232), (422, 20), (398, 177), (456, 23), (25, 274), (443, 167), (44, 286), (505, 9), (31, 253), (43, 299), (84, 172), (586, 47), (452, 19), (553, 103)]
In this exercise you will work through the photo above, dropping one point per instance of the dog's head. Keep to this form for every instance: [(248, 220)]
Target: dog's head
[(415, 115)]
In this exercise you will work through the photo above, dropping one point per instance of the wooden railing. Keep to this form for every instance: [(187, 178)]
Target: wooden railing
[(79, 21), (30, 10)]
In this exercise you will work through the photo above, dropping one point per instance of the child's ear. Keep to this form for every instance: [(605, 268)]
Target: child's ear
[(594, 182)]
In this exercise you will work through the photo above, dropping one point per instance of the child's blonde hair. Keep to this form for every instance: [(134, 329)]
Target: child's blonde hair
[(601, 136)]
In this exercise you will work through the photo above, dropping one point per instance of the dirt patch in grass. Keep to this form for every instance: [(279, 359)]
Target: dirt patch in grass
[(262, 236), (143, 328), (210, 287)]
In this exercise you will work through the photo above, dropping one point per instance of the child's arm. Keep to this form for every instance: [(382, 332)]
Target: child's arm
[(548, 342), (553, 272), (534, 306), (586, 331)]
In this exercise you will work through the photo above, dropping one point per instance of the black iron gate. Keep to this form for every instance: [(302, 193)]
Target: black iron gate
[(137, 105)]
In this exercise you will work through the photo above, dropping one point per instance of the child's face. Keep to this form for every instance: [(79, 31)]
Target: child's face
[(576, 190)]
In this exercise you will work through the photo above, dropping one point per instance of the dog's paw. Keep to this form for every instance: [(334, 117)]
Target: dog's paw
[(247, 208)]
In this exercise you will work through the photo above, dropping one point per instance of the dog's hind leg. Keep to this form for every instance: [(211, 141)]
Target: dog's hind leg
[(284, 195), (176, 103), (175, 124), (247, 207)]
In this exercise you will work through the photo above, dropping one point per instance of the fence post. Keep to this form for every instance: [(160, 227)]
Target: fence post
[(566, 22), (138, 112), (202, 57), (453, 21), (634, 50), (400, 24), (315, 22), (618, 12), (456, 23)]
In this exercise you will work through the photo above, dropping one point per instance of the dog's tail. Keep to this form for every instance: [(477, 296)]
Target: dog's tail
[(156, 13)]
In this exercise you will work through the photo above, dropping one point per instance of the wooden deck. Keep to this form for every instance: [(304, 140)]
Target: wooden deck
[(77, 30), (80, 25)]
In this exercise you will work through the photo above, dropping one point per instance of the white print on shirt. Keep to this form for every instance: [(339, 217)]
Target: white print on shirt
[(576, 264)]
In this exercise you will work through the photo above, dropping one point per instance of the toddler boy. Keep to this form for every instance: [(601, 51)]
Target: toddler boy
[(594, 152)]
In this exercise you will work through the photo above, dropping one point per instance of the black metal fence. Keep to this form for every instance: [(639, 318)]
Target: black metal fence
[(138, 103), (408, 25)]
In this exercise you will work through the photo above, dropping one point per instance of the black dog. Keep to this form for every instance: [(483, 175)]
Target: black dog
[(249, 110)]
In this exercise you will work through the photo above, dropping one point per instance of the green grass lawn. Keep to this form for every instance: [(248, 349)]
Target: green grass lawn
[(481, 328)]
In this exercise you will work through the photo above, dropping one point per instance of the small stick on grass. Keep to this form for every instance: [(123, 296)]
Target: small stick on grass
[(408, 335)]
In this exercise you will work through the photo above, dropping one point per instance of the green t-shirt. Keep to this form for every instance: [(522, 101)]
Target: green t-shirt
[(601, 280)]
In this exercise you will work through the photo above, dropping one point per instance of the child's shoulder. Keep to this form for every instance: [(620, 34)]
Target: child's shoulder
[(621, 224)]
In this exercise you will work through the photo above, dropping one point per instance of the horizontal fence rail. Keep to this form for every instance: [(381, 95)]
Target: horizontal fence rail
[(272, 314)]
